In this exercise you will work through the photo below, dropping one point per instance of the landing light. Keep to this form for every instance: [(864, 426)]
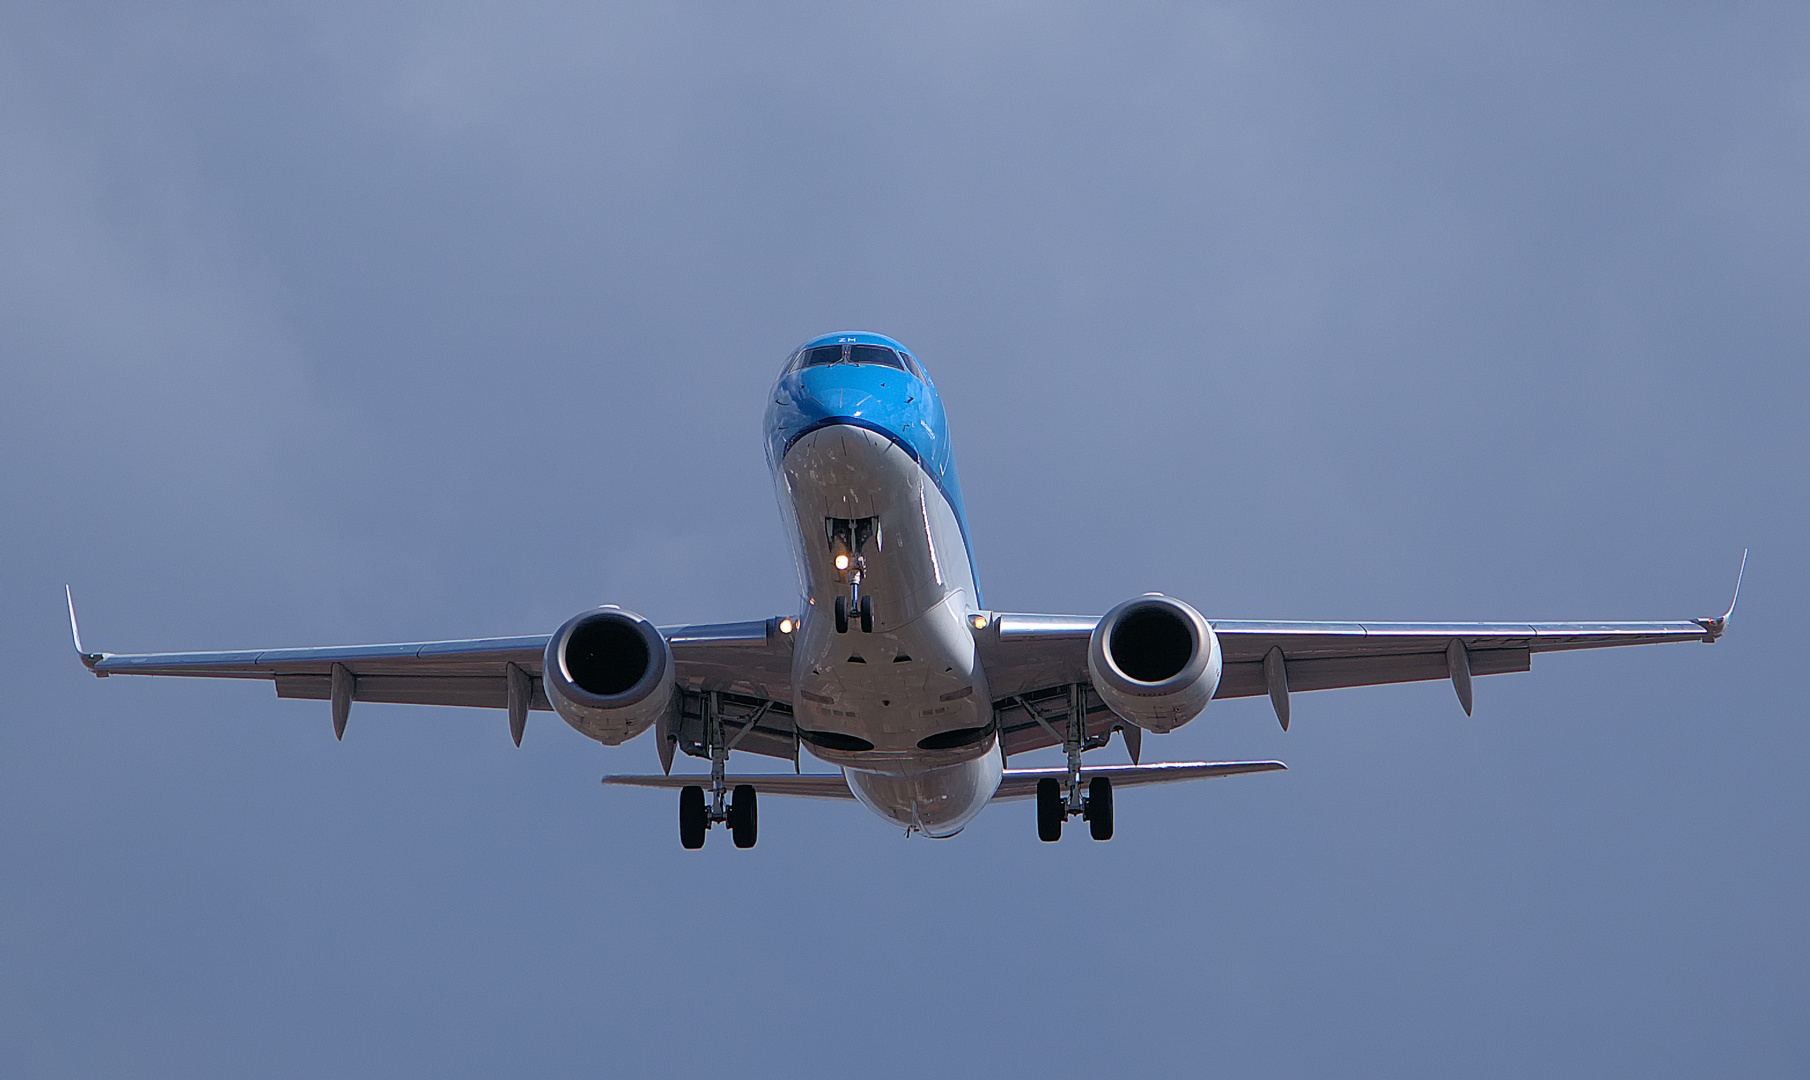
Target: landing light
[(842, 562), (979, 621), (785, 626)]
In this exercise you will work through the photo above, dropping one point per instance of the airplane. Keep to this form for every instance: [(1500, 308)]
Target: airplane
[(892, 669)]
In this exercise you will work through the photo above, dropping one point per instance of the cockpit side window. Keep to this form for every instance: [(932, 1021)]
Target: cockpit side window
[(911, 363)]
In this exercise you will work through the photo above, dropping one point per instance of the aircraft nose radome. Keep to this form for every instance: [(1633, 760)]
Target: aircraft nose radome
[(815, 402)]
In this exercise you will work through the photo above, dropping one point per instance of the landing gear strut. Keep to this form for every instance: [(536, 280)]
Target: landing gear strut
[(737, 809), (1095, 808)]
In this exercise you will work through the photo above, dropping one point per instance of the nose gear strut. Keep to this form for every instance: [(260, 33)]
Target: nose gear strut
[(849, 538)]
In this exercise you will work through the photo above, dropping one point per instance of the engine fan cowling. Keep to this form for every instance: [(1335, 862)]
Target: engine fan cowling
[(1155, 662), (609, 673)]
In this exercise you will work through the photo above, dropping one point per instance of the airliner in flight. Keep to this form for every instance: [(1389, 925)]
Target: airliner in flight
[(892, 669)]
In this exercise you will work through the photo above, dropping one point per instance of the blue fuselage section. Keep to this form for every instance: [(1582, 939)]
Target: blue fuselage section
[(900, 404)]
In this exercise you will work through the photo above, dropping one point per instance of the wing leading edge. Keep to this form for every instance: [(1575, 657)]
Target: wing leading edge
[(1032, 661)]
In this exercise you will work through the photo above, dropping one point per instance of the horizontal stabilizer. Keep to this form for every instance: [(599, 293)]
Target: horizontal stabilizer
[(809, 786), (1016, 784), (1022, 783)]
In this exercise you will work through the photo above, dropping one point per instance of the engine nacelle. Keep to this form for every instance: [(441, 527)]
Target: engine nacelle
[(1155, 662), (609, 673)]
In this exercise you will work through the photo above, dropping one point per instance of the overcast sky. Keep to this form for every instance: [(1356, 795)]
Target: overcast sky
[(327, 323)]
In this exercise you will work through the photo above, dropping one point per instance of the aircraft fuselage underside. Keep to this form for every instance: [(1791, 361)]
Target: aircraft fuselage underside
[(903, 708)]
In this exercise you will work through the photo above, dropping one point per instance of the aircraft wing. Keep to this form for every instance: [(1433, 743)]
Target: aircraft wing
[(1032, 661), (750, 661)]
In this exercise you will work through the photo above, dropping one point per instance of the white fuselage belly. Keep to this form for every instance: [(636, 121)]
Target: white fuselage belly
[(917, 674)]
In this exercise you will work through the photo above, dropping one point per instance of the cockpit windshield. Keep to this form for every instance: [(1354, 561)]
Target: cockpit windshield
[(848, 353), (874, 354), (822, 354)]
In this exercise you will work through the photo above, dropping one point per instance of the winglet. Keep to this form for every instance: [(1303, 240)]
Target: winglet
[(88, 659), (1714, 628)]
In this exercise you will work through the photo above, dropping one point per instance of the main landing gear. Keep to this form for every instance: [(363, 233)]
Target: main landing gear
[(736, 809), (696, 816), (1053, 807), (1096, 808)]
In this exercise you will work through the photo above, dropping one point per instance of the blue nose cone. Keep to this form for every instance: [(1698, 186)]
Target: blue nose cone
[(868, 380), (816, 393)]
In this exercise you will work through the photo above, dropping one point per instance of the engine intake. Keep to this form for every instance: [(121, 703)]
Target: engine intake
[(1155, 662), (609, 673)]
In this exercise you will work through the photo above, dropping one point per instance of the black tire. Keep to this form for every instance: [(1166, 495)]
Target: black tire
[(841, 615), (867, 614), (1050, 810), (1099, 807), (744, 818), (694, 817)]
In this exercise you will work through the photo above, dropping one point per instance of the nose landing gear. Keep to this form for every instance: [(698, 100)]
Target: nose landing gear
[(849, 538), (863, 608), (855, 606)]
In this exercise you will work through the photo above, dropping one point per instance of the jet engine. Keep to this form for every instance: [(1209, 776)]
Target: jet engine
[(1155, 662), (609, 673)]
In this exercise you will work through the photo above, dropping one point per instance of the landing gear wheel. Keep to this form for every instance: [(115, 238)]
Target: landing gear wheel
[(694, 816), (1099, 807), (841, 615), (867, 614), (1050, 810), (743, 819)]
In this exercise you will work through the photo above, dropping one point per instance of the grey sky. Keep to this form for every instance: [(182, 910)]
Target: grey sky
[(331, 323)]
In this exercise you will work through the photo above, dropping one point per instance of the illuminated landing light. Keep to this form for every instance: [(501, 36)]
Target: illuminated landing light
[(979, 621), (785, 626), (842, 562)]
